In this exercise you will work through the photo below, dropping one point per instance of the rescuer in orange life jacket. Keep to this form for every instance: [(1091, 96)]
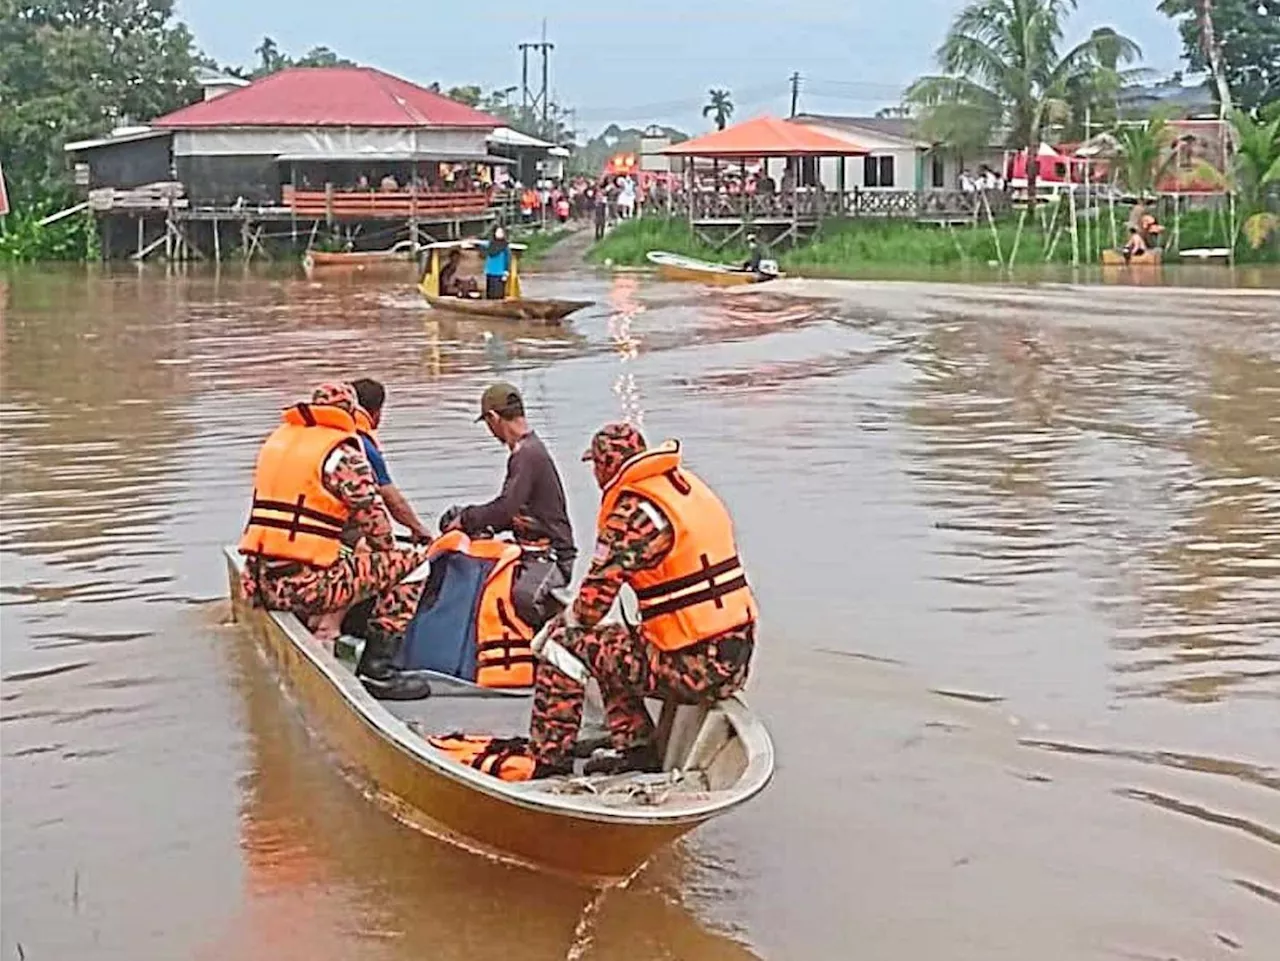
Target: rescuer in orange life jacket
[(313, 489), (661, 530)]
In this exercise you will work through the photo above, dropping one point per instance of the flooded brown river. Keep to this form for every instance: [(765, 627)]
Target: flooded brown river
[(1017, 550)]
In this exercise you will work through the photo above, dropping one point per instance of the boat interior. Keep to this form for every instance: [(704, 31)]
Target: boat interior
[(714, 755), (456, 269), (699, 744)]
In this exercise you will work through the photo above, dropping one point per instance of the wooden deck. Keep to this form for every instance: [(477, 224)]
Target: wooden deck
[(334, 204)]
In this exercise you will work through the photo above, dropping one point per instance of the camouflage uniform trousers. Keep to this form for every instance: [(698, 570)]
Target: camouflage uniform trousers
[(629, 669), (313, 591)]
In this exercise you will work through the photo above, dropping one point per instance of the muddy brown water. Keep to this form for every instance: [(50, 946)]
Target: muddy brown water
[(1017, 550)]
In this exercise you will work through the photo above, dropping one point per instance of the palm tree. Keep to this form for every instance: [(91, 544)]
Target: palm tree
[(1146, 155), (720, 105), (1257, 174), (1002, 67)]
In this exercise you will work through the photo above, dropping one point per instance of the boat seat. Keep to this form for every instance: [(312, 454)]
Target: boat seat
[(678, 727)]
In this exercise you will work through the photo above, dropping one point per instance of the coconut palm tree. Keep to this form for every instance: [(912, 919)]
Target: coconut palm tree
[(1257, 175), (1001, 62), (720, 106), (1146, 155)]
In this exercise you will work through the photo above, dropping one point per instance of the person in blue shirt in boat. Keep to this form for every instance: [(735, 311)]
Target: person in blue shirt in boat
[(497, 264), (372, 398)]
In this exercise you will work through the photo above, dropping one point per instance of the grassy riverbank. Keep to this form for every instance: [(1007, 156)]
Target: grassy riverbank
[(848, 245), (23, 240), (538, 242)]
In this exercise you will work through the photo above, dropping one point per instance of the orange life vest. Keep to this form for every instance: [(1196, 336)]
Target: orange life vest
[(294, 516), (699, 590), (505, 758), (364, 424), (504, 655)]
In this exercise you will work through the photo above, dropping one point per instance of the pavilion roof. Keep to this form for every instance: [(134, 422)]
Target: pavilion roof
[(767, 137)]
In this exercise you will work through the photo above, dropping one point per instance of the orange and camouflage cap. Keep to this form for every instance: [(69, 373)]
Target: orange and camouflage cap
[(613, 445), (335, 394)]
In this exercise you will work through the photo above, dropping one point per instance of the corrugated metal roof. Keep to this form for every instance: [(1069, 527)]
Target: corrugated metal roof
[(329, 97), (897, 128), (119, 136)]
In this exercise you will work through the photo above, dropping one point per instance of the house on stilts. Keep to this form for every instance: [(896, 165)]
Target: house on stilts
[(304, 156)]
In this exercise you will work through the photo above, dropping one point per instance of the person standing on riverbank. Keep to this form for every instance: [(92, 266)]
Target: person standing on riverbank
[(314, 493), (600, 213)]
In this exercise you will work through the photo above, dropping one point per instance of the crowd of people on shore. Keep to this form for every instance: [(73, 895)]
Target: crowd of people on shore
[(604, 200)]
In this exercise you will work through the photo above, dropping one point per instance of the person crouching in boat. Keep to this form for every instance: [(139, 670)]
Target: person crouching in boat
[(662, 531), (756, 254), (313, 487), (452, 283), (371, 397)]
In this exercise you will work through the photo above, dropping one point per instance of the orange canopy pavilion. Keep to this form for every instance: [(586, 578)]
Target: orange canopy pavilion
[(748, 196)]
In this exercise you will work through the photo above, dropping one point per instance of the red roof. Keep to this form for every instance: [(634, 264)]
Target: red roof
[(767, 137), (329, 97)]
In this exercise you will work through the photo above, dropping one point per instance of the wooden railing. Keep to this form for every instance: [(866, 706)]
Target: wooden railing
[(336, 204), (807, 205)]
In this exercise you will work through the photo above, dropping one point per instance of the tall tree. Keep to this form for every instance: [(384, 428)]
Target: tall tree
[(1237, 42), (72, 69), (1002, 64), (719, 107)]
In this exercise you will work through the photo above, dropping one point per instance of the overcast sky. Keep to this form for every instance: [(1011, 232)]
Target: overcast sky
[(650, 61)]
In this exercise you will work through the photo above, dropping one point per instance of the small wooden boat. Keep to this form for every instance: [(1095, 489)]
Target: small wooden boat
[(1206, 253), (678, 267), (1114, 258), (542, 311), (513, 306), (598, 829), (399, 255)]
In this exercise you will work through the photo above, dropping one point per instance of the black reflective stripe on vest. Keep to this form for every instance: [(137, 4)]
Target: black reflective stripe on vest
[(295, 527), (298, 508), (688, 580), (485, 659), (713, 593), (506, 620)]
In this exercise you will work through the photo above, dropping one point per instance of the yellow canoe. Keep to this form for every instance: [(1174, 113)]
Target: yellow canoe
[(599, 829), (1113, 258)]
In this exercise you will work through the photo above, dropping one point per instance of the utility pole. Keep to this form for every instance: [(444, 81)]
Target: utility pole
[(795, 92), (536, 101)]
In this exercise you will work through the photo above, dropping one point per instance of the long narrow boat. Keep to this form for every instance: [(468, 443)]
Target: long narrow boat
[(398, 256), (1114, 258), (678, 267), (599, 829), (544, 311), (513, 306)]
